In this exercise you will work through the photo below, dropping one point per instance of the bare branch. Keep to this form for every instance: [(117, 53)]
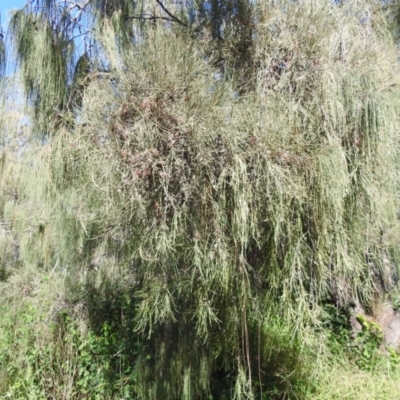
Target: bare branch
[(149, 17), (172, 16)]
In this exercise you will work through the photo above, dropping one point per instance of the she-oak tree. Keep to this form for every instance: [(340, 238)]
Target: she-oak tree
[(214, 173)]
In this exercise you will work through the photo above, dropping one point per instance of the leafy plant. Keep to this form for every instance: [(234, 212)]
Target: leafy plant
[(366, 343)]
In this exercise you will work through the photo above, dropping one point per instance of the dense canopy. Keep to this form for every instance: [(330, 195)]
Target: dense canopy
[(189, 188)]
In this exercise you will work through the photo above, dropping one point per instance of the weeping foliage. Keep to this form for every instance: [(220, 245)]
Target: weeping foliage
[(226, 207), (43, 56), (55, 37), (49, 40), (2, 52)]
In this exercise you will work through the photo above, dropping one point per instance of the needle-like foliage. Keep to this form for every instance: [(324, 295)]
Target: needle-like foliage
[(232, 205)]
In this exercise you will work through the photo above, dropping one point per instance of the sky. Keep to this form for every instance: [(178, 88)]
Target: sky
[(7, 5)]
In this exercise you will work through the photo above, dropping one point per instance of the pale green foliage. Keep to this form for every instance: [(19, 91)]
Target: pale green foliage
[(226, 213), (351, 384), (54, 45), (43, 56)]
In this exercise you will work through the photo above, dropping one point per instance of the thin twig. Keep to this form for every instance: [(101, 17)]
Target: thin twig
[(170, 14), (149, 17)]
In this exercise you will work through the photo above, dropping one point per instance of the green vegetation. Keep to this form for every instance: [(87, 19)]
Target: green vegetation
[(197, 199)]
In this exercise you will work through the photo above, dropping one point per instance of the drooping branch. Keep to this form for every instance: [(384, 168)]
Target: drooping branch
[(172, 16)]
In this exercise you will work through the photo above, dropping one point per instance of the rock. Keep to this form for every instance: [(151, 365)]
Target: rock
[(385, 317), (389, 320)]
